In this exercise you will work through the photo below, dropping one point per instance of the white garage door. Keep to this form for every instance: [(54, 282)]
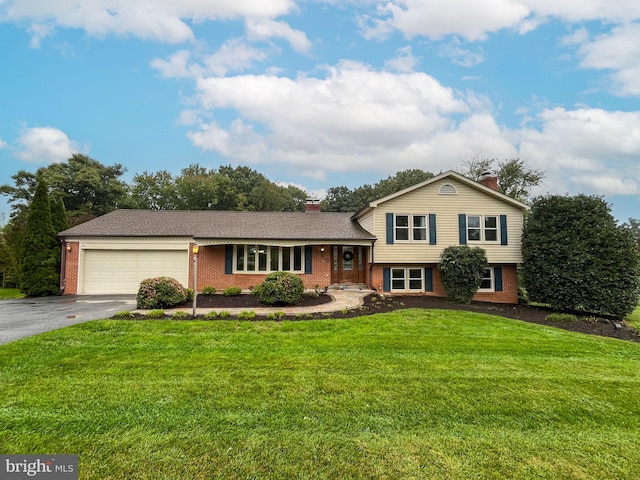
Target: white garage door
[(121, 271)]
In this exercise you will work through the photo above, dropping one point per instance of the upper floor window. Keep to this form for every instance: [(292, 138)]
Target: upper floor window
[(410, 227), (482, 228), (447, 189)]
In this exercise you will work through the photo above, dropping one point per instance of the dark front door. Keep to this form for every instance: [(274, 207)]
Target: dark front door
[(348, 264)]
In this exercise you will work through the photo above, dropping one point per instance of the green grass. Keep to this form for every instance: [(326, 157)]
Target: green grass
[(634, 319), (8, 293), (409, 394)]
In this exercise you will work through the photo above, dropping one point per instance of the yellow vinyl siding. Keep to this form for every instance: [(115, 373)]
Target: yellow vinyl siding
[(427, 200), (366, 222)]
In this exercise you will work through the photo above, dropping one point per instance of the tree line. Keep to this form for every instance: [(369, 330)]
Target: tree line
[(575, 255)]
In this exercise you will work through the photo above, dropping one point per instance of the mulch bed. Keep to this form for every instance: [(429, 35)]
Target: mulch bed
[(373, 304)]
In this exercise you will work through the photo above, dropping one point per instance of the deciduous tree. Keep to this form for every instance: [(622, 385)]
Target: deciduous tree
[(515, 177)]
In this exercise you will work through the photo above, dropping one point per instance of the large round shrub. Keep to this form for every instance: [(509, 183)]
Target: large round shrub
[(577, 258), (461, 270), (280, 288), (160, 292)]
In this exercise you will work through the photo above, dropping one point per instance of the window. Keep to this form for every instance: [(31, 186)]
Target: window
[(420, 228), (411, 227), (261, 258), (482, 228), (487, 284), (407, 279), (447, 189), (402, 227)]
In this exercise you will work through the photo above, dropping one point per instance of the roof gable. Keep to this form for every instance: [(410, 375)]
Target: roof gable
[(449, 174)]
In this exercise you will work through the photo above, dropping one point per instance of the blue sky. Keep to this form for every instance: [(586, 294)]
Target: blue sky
[(322, 93)]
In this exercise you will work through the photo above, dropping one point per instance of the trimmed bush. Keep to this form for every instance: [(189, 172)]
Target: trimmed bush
[(461, 270), (160, 292), (209, 290), (232, 291), (280, 288)]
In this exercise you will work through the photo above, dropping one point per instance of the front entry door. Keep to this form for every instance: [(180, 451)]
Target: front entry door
[(348, 264), (347, 260)]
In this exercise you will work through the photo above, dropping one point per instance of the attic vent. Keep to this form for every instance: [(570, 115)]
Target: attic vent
[(447, 189)]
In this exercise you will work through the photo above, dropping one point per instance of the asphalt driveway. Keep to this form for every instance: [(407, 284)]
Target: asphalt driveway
[(24, 317)]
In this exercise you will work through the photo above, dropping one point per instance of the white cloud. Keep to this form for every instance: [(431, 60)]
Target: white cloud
[(461, 56), (233, 56), (45, 145), (354, 118), (3, 144), (619, 52), (162, 20), (436, 19), (265, 29), (590, 150), (404, 61)]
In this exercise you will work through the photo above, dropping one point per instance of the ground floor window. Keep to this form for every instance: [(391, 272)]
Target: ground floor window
[(411, 279), (265, 259), (487, 284)]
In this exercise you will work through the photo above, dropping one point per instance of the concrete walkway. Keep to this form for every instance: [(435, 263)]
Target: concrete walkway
[(342, 300)]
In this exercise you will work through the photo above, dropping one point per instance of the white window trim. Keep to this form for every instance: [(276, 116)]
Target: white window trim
[(407, 279), (483, 234), (410, 229), (493, 282), (247, 246)]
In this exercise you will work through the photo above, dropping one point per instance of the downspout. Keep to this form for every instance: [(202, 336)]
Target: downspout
[(371, 265), (63, 266)]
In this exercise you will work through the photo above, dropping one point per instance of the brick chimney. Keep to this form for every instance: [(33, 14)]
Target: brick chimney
[(489, 180), (312, 205)]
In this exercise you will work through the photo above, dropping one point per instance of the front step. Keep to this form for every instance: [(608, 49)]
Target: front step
[(348, 286)]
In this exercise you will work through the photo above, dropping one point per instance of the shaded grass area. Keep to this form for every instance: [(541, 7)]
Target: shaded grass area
[(408, 394), (8, 293), (634, 319)]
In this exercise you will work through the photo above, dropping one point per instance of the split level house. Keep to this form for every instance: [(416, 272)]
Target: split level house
[(393, 245)]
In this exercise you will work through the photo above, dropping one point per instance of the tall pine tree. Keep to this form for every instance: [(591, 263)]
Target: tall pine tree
[(40, 248)]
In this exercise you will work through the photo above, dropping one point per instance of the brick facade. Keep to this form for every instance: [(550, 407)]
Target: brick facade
[(211, 271), (72, 268), (509, 293)]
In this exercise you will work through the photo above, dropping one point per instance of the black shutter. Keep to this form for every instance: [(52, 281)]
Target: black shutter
[(228, 259), (386, 279), (432, 229), (389, 227), (503, 230), (462, 227), (308, 254)]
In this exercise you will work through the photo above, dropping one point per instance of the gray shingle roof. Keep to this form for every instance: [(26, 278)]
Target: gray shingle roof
[(208, 224)]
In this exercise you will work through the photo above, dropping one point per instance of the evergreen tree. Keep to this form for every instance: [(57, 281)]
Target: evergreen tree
[(60, 222), (576, 258), (40, 248)]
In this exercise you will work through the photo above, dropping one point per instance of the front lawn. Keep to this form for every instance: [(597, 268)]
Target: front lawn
[(634, 319), (7, 293), (408, 394)]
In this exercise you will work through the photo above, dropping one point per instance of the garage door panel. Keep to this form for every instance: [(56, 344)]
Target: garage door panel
[(121, 271)]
